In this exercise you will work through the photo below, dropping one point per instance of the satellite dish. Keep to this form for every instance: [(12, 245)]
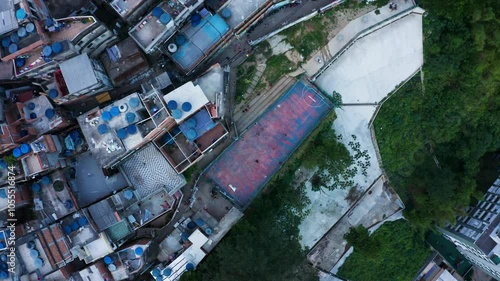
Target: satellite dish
[(172, 47)]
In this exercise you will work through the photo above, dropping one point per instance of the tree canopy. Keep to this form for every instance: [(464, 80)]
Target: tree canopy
[(432, 137), (400, 253), (264, 245)]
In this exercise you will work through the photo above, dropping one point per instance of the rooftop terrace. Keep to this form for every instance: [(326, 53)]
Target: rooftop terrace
[(149, 171), (151, 30), (67, 29), (185, 144), (197, 41), (125, 7), (241, 10), (185, 101), (106, 147), (149, 208), (28, 258), (41, 114), (56, 198), (88, 181)]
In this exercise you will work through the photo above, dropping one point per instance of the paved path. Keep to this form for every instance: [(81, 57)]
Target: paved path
[(349, 32), (255, 79)]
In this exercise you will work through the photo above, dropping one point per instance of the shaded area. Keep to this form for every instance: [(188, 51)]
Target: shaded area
[(90, 184), (449, 251), (64, 8), (250, 162)]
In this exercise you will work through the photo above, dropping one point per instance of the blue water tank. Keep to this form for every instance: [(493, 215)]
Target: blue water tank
[(36, 187), (191, 134), (172, 105), (157, 12), (208, 231), (108, 260), (34, 253), (191, 122), (67, 229), (33, 115), (31, 106), (38, 262), (130, 117), (20, 62), (139, 251), (180, 40), (49, 113), (47, 51), (121, 133), (6, 42), (132, 129), (74, 225), (177, 114), (106, 116), (13, 48), (103, 129), (82, 221), (165, 18), (156, 272), (134, 102), (21, 14), (45, 180), (21, 31), (128, 194), (200, 222), (14, 38), (30, 27), (115, 111), (167, 271), (25, 148), (17, 152), (187, 106), (57, 47), (226, 13), (53, 93), (189, 266)]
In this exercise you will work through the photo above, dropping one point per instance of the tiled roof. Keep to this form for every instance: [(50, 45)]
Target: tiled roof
[(55, 245)]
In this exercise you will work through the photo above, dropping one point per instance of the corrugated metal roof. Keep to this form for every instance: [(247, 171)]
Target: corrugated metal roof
[(8, 20), (103, 215), (78, 73)]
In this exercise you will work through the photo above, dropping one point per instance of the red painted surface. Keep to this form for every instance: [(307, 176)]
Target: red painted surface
[(251, 161)]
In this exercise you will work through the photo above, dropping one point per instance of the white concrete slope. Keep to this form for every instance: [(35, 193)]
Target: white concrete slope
[(364, 74)]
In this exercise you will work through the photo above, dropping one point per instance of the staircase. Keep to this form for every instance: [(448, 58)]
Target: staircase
[(260, 103)]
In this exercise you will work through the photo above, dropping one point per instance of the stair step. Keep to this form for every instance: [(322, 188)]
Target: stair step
[(259, 105)]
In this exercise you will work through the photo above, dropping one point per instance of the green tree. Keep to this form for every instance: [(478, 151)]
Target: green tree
[(360, 239), (399, 256)]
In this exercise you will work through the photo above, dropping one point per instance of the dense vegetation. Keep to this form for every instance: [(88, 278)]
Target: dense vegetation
[(264, 245), (432, 137), (398, 254)]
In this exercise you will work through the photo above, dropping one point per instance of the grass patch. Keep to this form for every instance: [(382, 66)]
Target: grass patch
[(277, 66), (401, 253), (307, 37), (244, 73), (188, 174)]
